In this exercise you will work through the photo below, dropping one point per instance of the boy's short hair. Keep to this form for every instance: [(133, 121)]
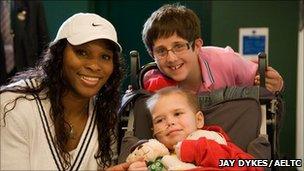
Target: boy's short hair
[(170, 19), (190, 97)]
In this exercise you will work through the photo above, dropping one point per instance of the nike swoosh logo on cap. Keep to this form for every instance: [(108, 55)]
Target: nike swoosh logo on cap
[(93, 24)]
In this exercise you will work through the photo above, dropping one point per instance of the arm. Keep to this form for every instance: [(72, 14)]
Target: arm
[(121, 167), (244, 70), (155, 80), (138, 165), (246, 73), (14, 147), (205, 152), (274, 81)]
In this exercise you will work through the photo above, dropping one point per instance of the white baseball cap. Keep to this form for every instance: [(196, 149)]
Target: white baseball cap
[(84, 27)]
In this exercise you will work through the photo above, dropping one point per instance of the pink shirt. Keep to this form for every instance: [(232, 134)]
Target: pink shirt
[(220, 67)]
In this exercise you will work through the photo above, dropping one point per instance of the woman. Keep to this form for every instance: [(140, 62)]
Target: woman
[(61, 115)]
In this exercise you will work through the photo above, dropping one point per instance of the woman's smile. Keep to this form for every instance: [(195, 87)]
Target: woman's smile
[(87, 67), (89, 81)]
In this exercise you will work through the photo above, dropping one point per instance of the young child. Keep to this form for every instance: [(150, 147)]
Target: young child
[(172, 36), (175, 115)]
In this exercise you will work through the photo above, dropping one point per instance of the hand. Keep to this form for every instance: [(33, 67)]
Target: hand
[(274, 82), (138, 165), (119, 167)]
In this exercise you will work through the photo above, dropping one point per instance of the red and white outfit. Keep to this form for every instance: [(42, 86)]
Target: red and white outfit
[(206, 153), (220, 67)]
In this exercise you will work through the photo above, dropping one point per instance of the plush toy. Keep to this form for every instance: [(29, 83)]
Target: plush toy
[(149, 150), (158, 157), (211, 135)]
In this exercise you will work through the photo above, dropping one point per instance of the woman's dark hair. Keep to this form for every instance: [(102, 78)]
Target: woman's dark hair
[(49, 71)]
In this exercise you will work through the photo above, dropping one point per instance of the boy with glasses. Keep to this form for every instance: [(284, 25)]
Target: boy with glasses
[(172, 37)]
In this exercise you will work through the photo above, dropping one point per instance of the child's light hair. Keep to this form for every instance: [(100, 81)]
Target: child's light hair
[(191, 97)]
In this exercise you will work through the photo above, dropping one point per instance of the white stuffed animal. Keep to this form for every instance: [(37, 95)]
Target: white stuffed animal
[(153, 149), (211, 135), (149, 151)]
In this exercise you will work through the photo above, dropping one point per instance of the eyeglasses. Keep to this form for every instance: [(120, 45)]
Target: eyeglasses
[(177, 49)]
